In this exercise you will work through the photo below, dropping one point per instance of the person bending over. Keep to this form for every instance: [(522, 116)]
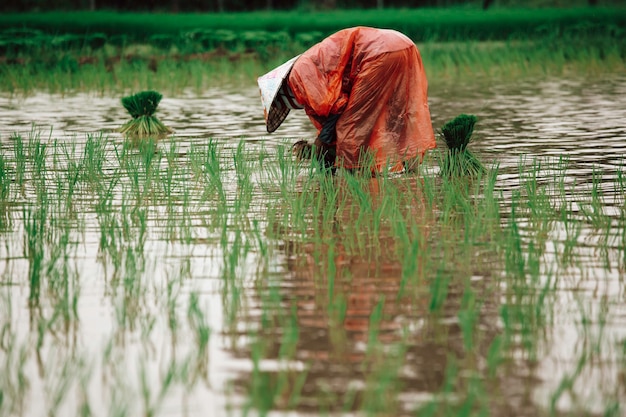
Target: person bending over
[(365, 90)]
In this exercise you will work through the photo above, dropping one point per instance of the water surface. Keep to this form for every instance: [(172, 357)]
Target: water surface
[(121, 336)]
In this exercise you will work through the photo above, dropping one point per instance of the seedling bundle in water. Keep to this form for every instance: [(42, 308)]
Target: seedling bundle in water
[(144, 124), (457, 133)]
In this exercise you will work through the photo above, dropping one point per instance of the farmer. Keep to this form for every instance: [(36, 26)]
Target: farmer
[(365, 90)]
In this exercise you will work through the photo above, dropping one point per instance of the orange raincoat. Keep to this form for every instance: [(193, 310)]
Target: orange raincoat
[(375, 80)]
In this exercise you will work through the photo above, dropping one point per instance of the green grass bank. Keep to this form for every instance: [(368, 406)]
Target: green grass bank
[(64, 51), (420, 24)]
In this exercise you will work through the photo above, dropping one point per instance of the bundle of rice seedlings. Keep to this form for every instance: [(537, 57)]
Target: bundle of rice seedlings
[(458, 160), (302, 150), (144, 124)]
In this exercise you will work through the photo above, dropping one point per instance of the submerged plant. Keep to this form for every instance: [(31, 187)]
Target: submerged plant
[(144, 123), (457, 133)]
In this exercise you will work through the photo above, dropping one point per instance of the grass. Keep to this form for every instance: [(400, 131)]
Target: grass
[(169, 53), (421, 24), (443, 62), (373, 259)]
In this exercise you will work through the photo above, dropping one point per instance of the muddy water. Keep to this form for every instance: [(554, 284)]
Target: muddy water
[(581, 120)]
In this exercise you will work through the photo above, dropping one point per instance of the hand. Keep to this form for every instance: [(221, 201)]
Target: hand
[(302, 150)]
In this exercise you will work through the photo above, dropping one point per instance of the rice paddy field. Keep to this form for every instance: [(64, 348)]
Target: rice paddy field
[(209, 273)]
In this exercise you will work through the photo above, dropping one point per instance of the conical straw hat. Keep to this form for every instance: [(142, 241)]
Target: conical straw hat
[(276, 106)]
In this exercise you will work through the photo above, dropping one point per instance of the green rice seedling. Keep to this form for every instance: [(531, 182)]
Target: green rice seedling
[(35, 224), (566, 385), (455, 204), (14, 382), (455, 252), (168, 180), (514, 258), (268, 389), (110, 241), (439, 287), (495, 353), (593, 209), (295, 384), (5, 192), (178, 220), (384, 381), (20, 158), (573, 229), (206, 164), (120, 392), (72, 172), (83, 408), (283, 172), (329, 201), (235, 251), (468, 317), (242, 160), (151, 400), (459, 160), (94, 158), (144, 124), (5, 177), (613, 408), (60, 378), (62, 279), (197, 322), (412, 253), (37, 154)]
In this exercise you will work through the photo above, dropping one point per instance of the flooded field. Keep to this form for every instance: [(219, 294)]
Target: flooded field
[(210, 274)]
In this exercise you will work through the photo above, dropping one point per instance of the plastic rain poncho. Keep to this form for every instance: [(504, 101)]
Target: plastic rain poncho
[(374, 79)]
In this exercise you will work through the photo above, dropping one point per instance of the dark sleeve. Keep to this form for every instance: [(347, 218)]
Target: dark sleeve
[(328, 133)]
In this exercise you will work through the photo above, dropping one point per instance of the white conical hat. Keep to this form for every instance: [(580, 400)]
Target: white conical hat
[(276, 106)]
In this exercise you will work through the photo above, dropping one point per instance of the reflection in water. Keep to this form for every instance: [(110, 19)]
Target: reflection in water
[(331, 289), (365, 299), (354, 304)]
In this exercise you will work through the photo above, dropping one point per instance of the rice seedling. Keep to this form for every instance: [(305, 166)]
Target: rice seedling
[(35, 226), (202, 331), (243, 170), (5, 192), (451, 285), (152, 402), (593, 210), (144, 124), (439, 290), (14, 383), (383, 381), (468, 316), (60, 379), (94, 159), (206, 163), (234, 248), (459, 160)]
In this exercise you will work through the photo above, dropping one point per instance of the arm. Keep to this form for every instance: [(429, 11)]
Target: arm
[(328, 134), (325, 144)]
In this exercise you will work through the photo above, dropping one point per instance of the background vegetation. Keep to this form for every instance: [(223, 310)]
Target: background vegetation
[(250, 5), (66, 50), (457, 23)]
